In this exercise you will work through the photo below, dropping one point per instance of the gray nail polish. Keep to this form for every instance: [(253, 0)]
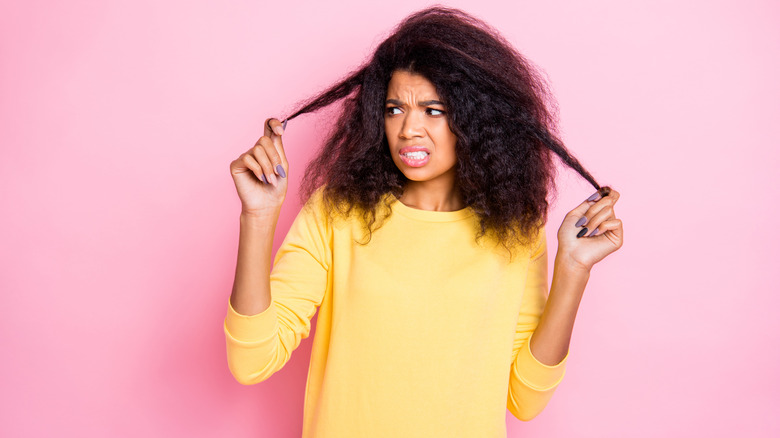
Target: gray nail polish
[(582, 232), (284, 124), (594, 197), (262, 178), (280, 171), (594, 232), (581, 222)]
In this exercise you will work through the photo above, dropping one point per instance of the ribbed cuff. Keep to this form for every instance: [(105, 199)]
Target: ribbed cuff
[(535, 374), (251, 328)]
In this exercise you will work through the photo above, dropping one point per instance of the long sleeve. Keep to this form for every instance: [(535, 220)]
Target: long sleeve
[(532, 383), (259, 345)]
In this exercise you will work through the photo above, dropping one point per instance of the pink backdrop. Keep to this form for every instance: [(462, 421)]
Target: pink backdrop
[(119, 218)]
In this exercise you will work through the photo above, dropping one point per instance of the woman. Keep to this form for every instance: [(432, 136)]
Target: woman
[(421, 243)]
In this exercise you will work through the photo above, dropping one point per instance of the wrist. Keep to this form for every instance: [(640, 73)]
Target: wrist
[(262, 219), (568, 266), (569, 281), (261, 214)]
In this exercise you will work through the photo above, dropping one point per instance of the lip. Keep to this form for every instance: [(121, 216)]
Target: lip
[(413, 149), (412, 162)]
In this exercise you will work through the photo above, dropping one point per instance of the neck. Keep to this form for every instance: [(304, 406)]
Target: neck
[(432, 196)]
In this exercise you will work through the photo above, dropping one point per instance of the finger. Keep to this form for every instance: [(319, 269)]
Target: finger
[(614, 225), (274, 130), (612, 229), (260, 155), (595, 205), (249, 161), (277, 162), (576, 217), (604, 192), (273, 127), (594, 222), (579, 210)]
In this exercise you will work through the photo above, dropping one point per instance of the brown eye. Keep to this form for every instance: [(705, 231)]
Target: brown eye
[(391, 110), (435, 112)]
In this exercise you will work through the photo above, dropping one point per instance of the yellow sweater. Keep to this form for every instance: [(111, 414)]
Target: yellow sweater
[(421, 333)]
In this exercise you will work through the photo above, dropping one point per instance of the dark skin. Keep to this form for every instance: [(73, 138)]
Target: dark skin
[(414, 118)]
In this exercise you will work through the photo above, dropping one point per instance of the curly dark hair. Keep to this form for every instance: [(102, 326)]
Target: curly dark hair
[(499, 108)]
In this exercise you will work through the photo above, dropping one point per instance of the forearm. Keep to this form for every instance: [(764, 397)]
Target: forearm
[(251, 288), (550, 341)]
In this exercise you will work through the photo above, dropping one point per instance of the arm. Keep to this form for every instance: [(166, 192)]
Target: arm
[(551, 339), (260, 344), (531, 382), (573, 262), (251, 290), (269, 312), (262, 193), (540, 362)]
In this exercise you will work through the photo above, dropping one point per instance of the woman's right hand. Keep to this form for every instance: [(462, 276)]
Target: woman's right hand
[(260, 174)]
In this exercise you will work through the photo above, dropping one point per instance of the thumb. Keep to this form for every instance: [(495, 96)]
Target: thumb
[(274, 130), (273, 127)]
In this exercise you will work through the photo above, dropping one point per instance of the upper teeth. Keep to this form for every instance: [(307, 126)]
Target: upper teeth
[(417, 155)]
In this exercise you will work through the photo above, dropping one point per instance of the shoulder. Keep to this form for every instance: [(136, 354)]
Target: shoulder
[(325, 208), (316, 202), (524, 246)]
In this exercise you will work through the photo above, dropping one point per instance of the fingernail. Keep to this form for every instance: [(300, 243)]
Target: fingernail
[(272, 179), (280, 171), (594, 232), (284, 124), (279, 130), (594, 197), (581, 222), (582, 232), (262, 178)]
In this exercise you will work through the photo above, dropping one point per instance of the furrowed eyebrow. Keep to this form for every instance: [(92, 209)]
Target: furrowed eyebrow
[(422, 103)]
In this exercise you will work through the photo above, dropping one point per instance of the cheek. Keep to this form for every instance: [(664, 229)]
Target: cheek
[(390, 129), (446, 139)]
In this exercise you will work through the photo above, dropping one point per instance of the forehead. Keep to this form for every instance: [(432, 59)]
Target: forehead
[(403, 83)]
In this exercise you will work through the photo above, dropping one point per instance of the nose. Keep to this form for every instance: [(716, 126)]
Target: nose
[(412, 126)]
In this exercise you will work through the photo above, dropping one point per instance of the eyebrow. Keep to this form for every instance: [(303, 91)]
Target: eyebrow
[(421, 103)]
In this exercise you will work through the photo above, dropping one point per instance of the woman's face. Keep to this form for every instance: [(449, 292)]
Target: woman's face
[(421, 142)]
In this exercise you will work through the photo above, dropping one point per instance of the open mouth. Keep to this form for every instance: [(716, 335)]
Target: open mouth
[(414, 157)]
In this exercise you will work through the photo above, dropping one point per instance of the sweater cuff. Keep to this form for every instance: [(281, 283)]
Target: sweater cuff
[(251, 328), (535, 374)]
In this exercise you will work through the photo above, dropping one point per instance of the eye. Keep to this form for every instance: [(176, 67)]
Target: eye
[(435, 112), (392, 110)]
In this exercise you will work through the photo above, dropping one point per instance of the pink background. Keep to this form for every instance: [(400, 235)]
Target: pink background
[(119, 218)]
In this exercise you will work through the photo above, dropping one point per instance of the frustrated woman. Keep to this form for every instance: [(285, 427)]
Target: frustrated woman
[(421, 242)]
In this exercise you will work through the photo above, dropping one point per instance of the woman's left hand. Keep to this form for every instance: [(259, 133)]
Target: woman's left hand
[(604, 233)]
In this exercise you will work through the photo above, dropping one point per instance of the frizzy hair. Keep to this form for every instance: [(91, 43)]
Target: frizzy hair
[(498, 106)]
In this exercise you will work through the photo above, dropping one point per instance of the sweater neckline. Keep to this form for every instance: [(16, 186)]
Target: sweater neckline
[(429, 215)]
